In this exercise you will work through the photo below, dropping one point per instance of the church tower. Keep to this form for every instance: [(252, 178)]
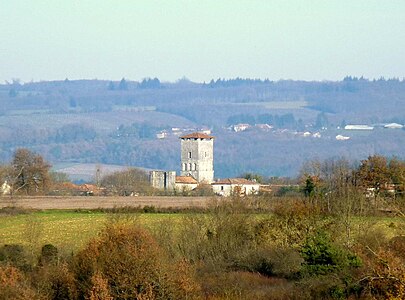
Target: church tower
[(197, 156)]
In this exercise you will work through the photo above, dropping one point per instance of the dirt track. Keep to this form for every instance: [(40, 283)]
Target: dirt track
[(94, 202)]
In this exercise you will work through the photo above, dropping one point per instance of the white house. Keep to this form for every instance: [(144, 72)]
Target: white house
[(340, 137), (394, 126), (240, 127), (5, 188), (358, 127), (228, 186), (161, 135)]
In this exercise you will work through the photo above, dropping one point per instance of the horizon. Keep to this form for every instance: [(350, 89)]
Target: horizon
[(21, 82)]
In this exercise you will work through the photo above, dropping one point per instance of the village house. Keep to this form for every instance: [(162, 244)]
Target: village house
[(358, 127), (394, 126), (240, 127), (239, 186), (5, 188)]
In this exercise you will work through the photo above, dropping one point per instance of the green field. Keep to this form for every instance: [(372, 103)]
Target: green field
[(68, 229), (71, 230)]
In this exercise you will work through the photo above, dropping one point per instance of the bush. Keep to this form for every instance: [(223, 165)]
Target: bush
[(15, 255), (13, 285), (49, 254), (132, 264), (55, 282), (321, 256)]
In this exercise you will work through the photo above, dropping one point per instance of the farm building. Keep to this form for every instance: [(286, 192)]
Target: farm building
[(240, 186)]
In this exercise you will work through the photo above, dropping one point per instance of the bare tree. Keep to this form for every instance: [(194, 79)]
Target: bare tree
[(29, 173)]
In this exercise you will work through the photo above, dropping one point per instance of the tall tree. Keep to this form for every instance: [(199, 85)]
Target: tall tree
[(30, 172), (123, 84), (374, 173)]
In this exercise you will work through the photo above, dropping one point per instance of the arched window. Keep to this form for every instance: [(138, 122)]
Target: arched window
[(190, 165), (184, 167), (195, 167)]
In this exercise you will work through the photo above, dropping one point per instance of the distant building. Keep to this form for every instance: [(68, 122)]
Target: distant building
[(240, 127), (206, 131), (185, 183), (197, 156), (230, 186), (5, 188), (358, 127), (161, 135), (264, 126), (197, 166), (164, 180), (342, 137), (394, 126)]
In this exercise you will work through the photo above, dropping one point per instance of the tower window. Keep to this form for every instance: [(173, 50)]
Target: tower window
[(184, 167), (195, 167), (205, 154), (189, 154), (191, 167)]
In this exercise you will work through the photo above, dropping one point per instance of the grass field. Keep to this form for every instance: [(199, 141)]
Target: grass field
[(68, 229)]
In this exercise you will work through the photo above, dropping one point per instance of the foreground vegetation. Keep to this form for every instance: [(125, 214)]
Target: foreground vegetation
[(239, 248)]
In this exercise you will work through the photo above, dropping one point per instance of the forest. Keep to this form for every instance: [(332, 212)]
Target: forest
[(116, 122)]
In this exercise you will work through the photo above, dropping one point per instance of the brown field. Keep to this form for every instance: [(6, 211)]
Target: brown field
[(94, 202)]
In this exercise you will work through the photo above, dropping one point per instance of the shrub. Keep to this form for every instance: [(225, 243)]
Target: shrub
[(49, 254), (131, 263), (15, 255), (55, 281), (321, 256), (13, 285)]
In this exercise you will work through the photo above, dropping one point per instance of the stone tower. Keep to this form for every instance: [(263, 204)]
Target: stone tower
[(197, 156)]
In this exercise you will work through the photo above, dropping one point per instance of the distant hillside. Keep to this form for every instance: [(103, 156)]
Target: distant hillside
[(116, 122)]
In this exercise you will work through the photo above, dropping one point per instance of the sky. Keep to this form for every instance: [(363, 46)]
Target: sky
[(201, 40)]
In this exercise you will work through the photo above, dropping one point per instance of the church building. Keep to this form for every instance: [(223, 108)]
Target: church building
[(197, 166)]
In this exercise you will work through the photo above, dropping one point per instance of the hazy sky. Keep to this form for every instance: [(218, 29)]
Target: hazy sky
[(307, 39)]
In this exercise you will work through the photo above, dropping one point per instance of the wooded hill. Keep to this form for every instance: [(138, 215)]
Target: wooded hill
[(115, 122)]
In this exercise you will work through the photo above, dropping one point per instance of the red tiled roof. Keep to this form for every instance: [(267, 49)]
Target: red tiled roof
[(197, 135), (235, 181), (186, 179)]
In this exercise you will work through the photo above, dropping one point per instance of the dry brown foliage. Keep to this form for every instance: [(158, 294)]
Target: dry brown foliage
[(132, 265), (13, 285)]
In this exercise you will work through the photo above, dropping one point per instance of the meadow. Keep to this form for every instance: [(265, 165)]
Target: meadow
[(67, 229), (72, 229)]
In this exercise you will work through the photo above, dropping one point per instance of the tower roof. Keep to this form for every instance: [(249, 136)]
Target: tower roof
[(197, 135)]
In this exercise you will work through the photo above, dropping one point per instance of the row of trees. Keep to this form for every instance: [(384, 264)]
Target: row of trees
[(376, 174), (29, 174), (376, 178)]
